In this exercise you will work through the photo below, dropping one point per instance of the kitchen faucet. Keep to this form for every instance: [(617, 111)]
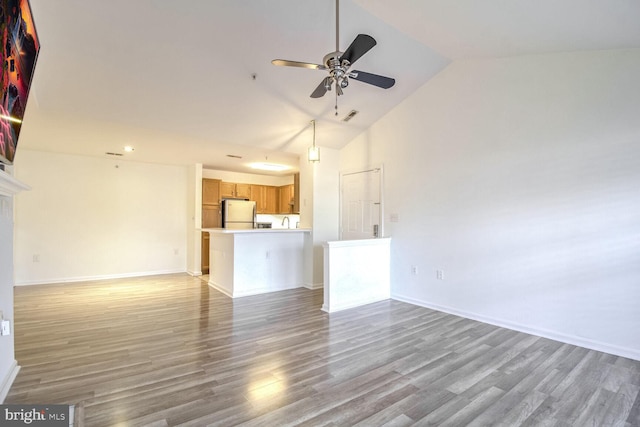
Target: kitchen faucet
[(287, 218)]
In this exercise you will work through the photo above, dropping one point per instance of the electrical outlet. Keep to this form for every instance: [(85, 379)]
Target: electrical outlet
[(36, 258), (439, 274), (267, 255), (175, 251), (414, 270), (5, 327)]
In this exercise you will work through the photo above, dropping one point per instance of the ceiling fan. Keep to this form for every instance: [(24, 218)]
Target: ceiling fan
[(338, 65)]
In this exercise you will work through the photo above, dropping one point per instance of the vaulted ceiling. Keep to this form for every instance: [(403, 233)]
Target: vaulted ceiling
[(192, 82)]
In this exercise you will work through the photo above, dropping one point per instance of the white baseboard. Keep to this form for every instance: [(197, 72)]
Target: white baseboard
[(8, 381), (248, 293), (314, 285), (99, 277), (194, 273), (219, 288), (545, 333), (360, 303)]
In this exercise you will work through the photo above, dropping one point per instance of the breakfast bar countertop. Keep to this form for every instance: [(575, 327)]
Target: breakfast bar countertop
[(256, 230)]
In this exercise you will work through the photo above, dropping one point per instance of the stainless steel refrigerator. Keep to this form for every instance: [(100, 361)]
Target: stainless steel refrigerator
[(238, 214)]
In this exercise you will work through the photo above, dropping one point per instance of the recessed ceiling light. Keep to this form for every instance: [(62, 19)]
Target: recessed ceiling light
[(269, 166), (128, 148)]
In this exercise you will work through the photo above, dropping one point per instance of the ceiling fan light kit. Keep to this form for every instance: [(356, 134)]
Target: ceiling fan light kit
[(338, 65)]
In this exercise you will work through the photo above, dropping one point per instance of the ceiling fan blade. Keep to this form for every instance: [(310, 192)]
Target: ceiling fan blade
[(361, 45), (285, 63), (372, 79), (322, 88)]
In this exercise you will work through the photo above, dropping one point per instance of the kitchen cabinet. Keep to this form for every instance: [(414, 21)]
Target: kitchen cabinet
[(210, 191), (257, 195), (227, 189), (234, 190), (271, 199), (210, 216), (296, 193), (266, 198), (285, 199), (204, 265)]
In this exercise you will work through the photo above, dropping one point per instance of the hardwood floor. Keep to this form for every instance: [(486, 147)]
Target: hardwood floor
[(169, 350)]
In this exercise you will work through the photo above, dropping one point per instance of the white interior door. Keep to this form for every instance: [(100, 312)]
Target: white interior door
[(361, 204)]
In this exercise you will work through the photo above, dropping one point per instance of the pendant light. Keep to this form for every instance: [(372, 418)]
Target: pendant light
[(314, 152)]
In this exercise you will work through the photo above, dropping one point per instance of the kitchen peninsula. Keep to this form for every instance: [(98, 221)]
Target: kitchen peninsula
[(249, 262)]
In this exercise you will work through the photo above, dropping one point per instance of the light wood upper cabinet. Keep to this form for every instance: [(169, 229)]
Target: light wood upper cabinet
[(271, 199), (243, 191), (227, 189), (286, 196), (233, 190), (266, 198), (210, 191), (296, 193), (257, 195)]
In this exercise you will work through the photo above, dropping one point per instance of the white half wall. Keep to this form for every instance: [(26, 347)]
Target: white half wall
[(97, 218), (519, 178), (356, 272)]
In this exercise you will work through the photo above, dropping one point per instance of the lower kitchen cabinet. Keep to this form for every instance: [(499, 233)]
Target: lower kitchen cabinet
[(205, 253)]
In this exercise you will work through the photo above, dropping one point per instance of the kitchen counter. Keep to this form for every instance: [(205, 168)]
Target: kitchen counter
[(256, 261), (257, 230)]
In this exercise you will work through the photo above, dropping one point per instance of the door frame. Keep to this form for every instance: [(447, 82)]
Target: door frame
[(344, 173)]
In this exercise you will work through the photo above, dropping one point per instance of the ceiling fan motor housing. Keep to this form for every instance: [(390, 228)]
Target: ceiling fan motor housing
[(337, 70)]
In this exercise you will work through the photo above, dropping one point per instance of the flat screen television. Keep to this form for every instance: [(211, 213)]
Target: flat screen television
[(19, 52)]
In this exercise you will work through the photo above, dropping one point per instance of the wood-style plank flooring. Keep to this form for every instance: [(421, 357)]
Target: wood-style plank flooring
[(169, 350)]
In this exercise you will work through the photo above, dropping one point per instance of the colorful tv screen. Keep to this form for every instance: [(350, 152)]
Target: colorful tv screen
[(20, 47)]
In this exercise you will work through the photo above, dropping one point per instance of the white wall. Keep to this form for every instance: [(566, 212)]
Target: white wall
[(95, 218), (247, 178), (519, 178), (7, 358), (319, 209), (194, 215)]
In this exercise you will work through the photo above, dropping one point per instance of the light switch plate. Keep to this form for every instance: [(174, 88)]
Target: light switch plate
[(5, 327)]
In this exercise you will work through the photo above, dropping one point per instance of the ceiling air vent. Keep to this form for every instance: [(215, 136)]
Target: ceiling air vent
[(113, 154), (350, 116), (233, 156)]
